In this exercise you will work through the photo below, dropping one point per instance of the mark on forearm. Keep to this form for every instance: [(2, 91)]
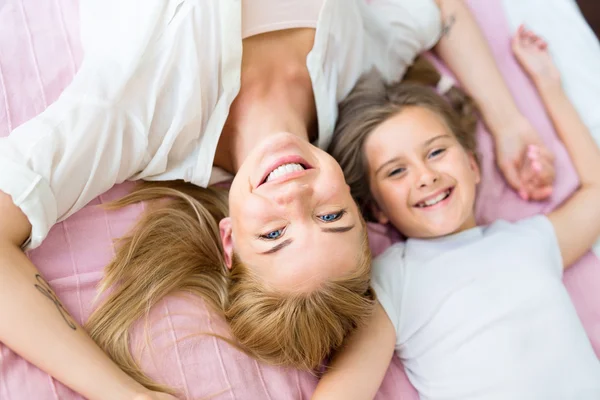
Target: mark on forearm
[(45, 289), (448, 24)]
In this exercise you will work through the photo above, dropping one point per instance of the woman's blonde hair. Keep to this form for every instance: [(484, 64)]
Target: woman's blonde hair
[(176, 247), (372, 101)]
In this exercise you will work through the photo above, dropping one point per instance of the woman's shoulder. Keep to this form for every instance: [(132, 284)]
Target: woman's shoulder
[(399, 29), (354, 36)]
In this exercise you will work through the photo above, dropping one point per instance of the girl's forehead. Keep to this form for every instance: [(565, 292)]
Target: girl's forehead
[(406, 136)]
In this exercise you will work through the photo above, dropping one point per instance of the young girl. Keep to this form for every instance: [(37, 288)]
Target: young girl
[(449, 304)]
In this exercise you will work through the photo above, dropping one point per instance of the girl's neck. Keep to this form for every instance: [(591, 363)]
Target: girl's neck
[(275, 95), (468, 224)]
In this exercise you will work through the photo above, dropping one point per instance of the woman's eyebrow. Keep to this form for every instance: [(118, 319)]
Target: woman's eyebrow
[(278, 247), (338, 229), (285, 243)]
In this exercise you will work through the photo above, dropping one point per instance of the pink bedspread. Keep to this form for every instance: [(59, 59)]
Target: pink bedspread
[(39, 54)]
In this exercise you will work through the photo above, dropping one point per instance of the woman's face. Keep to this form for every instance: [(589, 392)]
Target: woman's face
[(292, 218)]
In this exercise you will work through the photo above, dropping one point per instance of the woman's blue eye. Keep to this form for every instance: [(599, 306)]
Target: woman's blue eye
[(272, 235), (332, 217), (436, 152)]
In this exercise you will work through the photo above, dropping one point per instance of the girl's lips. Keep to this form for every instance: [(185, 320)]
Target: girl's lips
[(421, 204)]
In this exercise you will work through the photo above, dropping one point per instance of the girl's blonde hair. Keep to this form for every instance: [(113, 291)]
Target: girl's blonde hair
[(176, 247), (372, 101)]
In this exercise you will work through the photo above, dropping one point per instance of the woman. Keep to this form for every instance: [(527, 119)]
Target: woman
[(165, 93)]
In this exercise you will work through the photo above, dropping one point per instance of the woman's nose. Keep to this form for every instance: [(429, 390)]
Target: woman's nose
[(293, 193)]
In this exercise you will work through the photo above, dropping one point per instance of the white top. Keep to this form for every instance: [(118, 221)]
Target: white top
[(154, 89), (467, 328), (260, 16)]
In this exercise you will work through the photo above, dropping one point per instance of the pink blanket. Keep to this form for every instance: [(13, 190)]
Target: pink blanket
[(39, 54)]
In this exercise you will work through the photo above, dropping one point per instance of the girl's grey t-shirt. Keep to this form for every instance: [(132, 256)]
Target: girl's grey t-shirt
[(483, 314)]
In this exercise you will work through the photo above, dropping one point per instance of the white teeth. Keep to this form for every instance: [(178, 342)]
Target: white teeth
[(435, 200), (284, 170)]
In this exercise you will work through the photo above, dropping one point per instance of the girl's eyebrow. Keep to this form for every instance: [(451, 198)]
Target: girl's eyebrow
[(433, 139), (390, 161), (425, 144)]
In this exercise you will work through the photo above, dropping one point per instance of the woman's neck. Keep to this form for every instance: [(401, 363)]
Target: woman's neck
[(275, 95)]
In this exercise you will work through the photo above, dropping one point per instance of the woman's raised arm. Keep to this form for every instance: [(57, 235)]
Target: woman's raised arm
[(464, 49)]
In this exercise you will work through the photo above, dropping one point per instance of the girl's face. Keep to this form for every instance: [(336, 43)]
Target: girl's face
[(423, 181)]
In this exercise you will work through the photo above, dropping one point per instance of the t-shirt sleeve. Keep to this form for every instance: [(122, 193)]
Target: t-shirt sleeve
[(107, 31), (63, 158), (388, 281), (539, 231), (406, 27)]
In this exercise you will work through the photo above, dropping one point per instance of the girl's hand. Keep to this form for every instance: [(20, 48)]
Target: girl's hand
[(531, 51), (526, 163), (537, 169)]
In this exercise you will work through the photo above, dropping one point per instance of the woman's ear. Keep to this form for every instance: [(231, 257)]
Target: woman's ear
[(226, 240)]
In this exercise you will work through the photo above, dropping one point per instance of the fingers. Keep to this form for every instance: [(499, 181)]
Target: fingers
[(537, 181), (541, 150), (528, 38), (511, 174), (538, 163), (544, 169), (541, 193), (537, 174), (532, 180)]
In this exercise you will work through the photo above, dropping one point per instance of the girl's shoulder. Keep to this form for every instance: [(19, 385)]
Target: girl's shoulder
[(392, 255), (537, 224)]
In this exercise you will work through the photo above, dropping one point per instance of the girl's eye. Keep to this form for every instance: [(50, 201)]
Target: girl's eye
[(397, 171), (436, 152), (273, 235), (332, 216)]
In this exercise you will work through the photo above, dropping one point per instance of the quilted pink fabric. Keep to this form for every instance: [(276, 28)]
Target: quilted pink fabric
[(39, 55)]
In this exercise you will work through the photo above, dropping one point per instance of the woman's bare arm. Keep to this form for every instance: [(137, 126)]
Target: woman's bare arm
[(34, 324), (359, 368), (464, 49)]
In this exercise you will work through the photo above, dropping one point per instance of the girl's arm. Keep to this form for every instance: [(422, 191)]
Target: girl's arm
[(35, 326), (464, 49), (358, 369), (577, 221)]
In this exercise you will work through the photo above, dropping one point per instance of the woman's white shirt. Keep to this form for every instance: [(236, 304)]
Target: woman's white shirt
[(155, 86)]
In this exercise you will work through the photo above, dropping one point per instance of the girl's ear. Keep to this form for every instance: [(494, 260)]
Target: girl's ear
[(475, 167), (227, 240), (378, 214)]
